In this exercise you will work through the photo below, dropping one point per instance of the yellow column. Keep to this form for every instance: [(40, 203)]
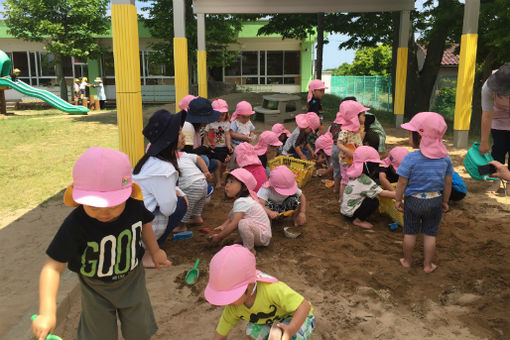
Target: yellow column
[(127, 80), (400, 81), (181, 69), (202, 74), (465, 81)]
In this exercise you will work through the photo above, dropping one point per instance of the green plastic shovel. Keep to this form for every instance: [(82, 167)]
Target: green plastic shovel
[(192, 275), (49, 336)]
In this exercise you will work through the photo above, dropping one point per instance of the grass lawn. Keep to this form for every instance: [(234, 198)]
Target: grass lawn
[(39, 148)]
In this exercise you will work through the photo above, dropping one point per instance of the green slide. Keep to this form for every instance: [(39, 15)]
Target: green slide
[(47, 96)]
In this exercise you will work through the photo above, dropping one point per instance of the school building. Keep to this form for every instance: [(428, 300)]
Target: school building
[(263, 64)]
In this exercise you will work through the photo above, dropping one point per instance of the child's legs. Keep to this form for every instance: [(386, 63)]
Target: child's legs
[(257, 332), (174, 220), (196, 194), (305, 331), (429, 249), (408, 248), (251, 234), (344, 180), (367, 207)]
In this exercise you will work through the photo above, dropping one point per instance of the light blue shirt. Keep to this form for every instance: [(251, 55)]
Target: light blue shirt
[(424, 174)]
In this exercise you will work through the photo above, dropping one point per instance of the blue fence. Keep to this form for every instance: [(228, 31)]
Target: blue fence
[(371, 91)]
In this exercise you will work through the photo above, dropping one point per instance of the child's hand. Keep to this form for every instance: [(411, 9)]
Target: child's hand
[(273, 214), (399, 206), (207, 175), (445, 206), (160, 259), (42, 325), (215, 239), (286, 332), (300, 219), (230, 150)]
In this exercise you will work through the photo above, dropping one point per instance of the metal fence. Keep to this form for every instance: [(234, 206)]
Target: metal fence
[(371, 91)]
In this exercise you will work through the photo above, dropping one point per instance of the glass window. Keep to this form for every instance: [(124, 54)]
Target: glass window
[(33, 64), (234, 69), (275, 63), (20, 60), (47, 64), (251, 80), (262, 59), (274, 80), (290, 80), (67, 64), (108, 65), (250, 63), (292, 62)]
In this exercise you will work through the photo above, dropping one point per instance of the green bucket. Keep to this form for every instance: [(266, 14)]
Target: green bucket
[(474, 159)]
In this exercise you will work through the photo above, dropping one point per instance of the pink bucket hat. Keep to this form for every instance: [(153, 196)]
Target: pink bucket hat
[(324, 142), (279, 128), (347, 115), (282, 180), (315, 84), (184, 103), (245, 155), (395, 157), (220, 105), (231, 270), (248, 179), (101, 178), (310, 119), (266, 138), (431, 126), (362, 155), (242, 108)]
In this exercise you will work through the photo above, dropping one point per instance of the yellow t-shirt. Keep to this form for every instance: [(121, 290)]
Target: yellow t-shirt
[(274, 302)]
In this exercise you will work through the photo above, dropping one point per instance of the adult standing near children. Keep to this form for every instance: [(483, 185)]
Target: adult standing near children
[(101, 96), (157, 173), (496, 116)]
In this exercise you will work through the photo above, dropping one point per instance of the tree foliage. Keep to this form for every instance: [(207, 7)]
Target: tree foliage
[(66, 27), (368, 61)]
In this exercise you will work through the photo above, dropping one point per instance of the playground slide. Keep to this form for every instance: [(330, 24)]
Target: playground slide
[(47, 96)]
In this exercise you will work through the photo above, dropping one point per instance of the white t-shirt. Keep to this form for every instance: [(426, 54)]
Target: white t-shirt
[(254, 211), (76, 87), (220, 129), (191, 137), (242, 129), (269, 194), (356, 191), (189, 169)]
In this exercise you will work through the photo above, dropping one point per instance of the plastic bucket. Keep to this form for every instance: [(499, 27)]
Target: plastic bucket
[(474, 159)]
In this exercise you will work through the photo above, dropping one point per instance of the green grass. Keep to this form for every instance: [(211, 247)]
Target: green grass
[(39, 149)]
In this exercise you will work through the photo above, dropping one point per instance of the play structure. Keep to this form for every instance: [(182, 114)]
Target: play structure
[(7, 83)]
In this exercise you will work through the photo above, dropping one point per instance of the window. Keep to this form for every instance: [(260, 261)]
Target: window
[(234, 69), (20, 60), (291, 62), (47, 64), (274, 63), (250, 63), (108, 65)]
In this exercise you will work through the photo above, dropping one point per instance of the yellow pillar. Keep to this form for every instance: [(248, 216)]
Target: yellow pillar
[(181, 69), (127, 79), (202, 74), (401, 72)]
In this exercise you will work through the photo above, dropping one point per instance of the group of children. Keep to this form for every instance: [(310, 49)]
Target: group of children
[(122, 217)]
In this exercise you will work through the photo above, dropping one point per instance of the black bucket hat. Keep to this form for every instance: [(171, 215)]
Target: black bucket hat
[(499, 81), (200, 111), (162, 130)]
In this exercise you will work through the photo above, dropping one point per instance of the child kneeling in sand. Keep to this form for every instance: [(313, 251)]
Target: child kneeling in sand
[(281, 194), (101, 240), (260, 299), (424, 174), (247, 215)]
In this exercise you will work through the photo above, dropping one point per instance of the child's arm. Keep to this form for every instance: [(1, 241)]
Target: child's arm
[(385, 184), (270, 213), (399, 193), (217, 336), (300, 218), (201, 164), (297, 320), (158, 255), (48, 288), (228, 140), (310, 151), (447, 192), (239, 136), (346, 151), (300, 153), (227, 228), (387, 194)]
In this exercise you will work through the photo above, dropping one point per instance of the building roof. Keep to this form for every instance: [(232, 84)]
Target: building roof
[(449, 56)]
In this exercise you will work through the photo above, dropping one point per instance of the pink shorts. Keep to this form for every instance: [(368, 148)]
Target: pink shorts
[(343, 172)]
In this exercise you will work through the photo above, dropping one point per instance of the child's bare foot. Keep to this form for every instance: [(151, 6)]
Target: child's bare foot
[(180, 229), (404, 263), (147, 260), (197, 220), (429, 269), (362, 224)]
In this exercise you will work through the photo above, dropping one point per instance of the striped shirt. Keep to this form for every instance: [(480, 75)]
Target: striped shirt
[(424, 174)]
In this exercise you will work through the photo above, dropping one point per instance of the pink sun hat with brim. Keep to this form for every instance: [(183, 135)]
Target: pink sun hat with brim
[(325, 143), (248, 179), (395, 157), (308, 120), (315, 84), (184, 103), (266, 138), (431, 126), (243, 108), (349, 111), (362, 155), (279, 128), (282, 180), (101, 178), (245, 155), (220, 105), (231, 270)]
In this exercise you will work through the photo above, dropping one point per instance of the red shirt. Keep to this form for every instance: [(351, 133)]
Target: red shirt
[(259, 172)]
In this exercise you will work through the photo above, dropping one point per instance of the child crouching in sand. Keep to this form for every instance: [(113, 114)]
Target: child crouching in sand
[(247, 215), (262, 300), (360, 194), (423, 175)]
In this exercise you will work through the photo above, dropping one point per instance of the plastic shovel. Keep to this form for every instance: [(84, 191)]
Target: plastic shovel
[(192, 275), (49, 336)]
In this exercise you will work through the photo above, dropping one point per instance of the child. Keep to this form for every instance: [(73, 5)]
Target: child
[(184, 103), (266, 147), (281, 194), (101, 240), (388, 168), (260, 299), (334, 130), (247, 215), (283, 135), (219, 138), (76, 89), (297, 144), (423, 175), (101, 96), (351, 117), (83, 87), (242, 129), (323, 150), (247, 158), (315, 93), (360, 194)]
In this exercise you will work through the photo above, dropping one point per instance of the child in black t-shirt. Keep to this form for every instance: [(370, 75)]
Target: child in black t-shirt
[(315, 93), (101, 240)]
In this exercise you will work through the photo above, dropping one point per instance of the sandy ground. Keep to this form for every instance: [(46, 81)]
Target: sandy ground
[(351, 276)]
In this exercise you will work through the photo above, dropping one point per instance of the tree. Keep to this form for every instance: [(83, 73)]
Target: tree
[(66, 27), (368, 61)]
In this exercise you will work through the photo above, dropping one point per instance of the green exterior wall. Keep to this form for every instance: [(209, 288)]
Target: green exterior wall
[(306, 64), (93, 72)]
